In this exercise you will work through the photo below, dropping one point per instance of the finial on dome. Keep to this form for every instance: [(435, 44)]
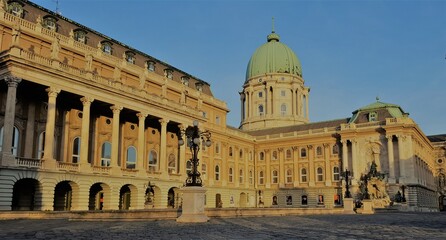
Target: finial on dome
[(377, 98), (273, 36), (273, 25)]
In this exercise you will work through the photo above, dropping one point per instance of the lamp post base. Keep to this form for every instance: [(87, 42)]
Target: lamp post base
[(193, 205), (348, 206)]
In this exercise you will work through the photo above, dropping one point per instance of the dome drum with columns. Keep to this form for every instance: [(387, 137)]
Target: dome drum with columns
[(274, 94)]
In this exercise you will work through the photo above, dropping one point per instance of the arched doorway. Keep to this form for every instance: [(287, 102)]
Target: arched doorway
[(172, 198), (63, 196), (243, 200), (218, 202), (124, 198), (98, 197), (23, 194)]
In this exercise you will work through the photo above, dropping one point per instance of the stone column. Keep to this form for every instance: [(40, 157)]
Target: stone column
[(307, 116), (293, 102), (85, 133), (296, 174), (355, 163), (251, 104), (268, 169), (402, 174), (141, 143), (268, 100), (50, 125), (391, 159), (281, 168), (328, 171), (344, 154), (29, 134), (311, 170), (8, 126), (163, 147), (115, 137)]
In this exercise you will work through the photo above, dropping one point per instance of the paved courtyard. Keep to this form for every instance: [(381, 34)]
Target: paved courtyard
[(377, 226)]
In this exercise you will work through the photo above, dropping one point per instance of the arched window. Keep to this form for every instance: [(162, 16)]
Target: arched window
[(231, 175), (106, 154), (261, 110), (251, 176), (217, 148), (15, 8), (275, 177), (76, 150), (172, 165), (41, 145), (153, 161), (106, 47), (15, 140), (303, 152), (262, 156), (80, 35), (241, 176), (303, 175), (131, 158), (288, 154), (230, 151), (283, 109), (241, 154), (289, 176), (335, 173), (319, 151), (335, 149), (274, 155), (168, 73), (217, 173), (130, 57), (320, 174), (261, 178), (49, 23), (151, 66)]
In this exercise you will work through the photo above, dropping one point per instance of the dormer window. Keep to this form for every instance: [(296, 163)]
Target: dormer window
[(373, 116), (49, 23), (106, 48), (80, 36), (199, 86), (168, 73), (185, 80), (130, 57), (151, 66), (15, 8)]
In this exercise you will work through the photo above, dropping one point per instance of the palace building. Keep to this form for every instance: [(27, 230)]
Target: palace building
[(89, 123)]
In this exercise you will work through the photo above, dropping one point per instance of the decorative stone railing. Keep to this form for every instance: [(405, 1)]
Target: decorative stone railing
[(101, 169), (66, 166), (29, 162)]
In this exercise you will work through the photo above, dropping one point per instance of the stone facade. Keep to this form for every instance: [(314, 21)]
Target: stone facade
[(90, 124)]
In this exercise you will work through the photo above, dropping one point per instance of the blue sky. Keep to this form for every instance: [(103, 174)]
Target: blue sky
[(351, 51)]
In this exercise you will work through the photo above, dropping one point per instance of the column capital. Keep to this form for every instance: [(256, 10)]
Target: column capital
[(52, 91), (142, 115), (326, 145), (12, 81), (163, 121), (295, 148), (310, 147), (116, 109), (86, 101), (390, 136)]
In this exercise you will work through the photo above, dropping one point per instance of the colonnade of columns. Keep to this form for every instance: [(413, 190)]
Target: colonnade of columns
[(49, 143)]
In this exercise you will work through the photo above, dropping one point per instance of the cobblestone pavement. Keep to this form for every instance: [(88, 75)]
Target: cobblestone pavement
[(377, 226)]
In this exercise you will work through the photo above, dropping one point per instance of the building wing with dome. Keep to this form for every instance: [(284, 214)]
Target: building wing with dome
[(89, 123)]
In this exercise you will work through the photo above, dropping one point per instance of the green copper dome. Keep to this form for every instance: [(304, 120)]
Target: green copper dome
[(273, 57)]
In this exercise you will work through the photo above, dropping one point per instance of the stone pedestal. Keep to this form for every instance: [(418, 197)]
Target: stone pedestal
[(367, 206), (348, 206), (193, 205)]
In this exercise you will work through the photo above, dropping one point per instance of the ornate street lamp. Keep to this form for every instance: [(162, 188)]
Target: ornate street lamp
[(345, 175), (194, 137)]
